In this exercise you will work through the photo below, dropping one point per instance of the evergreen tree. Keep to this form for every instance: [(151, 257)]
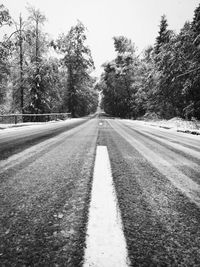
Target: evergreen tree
[(193, 78), (37, 101), (196, 26), (163, 34)]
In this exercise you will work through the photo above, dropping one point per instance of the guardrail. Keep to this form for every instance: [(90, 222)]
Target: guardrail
[(19, 118)]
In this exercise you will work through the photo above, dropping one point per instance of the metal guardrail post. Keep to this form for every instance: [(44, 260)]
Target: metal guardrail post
[(15, 118)]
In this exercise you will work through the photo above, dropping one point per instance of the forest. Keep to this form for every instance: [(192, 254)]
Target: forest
[(162, 82), (39, 75)]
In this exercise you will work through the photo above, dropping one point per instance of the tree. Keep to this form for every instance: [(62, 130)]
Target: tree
[(196, 27), (163, 65), (183, 50), (18, 55), (193, 76), (174, 74), (118, 80), (165, 82), (79, 63), (163, 35), (37, 102), (5, 19)]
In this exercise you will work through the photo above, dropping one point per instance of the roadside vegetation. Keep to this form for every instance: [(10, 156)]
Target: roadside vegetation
[(41, 75), (163, 82)]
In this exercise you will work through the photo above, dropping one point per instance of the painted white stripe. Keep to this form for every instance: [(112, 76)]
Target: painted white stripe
[(105, 241)]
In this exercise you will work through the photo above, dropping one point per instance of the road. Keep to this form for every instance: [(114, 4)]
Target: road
[(18, 138), (45, 193)]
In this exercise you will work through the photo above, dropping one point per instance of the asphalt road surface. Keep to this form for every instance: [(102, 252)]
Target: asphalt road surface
[(46, 176)]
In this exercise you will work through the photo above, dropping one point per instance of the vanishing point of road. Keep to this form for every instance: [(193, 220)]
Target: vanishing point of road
[(46, 177)]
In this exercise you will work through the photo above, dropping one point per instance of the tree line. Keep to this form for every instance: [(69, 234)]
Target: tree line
[(33, 79), (164, 82)]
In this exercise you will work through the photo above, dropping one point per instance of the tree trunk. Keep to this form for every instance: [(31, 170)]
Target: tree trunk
[(21, 65)]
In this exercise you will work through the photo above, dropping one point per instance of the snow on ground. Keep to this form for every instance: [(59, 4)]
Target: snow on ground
[(11, 127), (175, 124)]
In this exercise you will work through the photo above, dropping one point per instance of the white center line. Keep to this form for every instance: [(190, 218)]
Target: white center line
[(105, 241)]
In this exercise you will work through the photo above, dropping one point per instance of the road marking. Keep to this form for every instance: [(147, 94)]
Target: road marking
[(105, 241)]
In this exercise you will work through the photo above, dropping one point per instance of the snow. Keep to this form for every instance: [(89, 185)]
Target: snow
[(167, 165), (12, 125), (34, 125), (175, 124)]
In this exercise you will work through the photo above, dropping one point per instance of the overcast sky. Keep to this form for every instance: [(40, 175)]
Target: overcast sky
[(135, 19)]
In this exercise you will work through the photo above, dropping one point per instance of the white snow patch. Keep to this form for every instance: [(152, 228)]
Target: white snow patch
[(34, 125), (180, 180), (19, 125), (105, 241), (175, 124)]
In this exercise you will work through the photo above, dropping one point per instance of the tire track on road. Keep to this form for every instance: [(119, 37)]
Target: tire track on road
[(176, 147), (162, 226), (44, 204), (187, 164), (184, 140), (186, 185)]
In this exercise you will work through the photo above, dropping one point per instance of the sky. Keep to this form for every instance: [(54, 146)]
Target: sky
[(136, 19)]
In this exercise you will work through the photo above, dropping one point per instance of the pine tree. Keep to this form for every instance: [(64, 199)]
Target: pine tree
[(37, 102), (164, 34), (192, 84), (196, 26)]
